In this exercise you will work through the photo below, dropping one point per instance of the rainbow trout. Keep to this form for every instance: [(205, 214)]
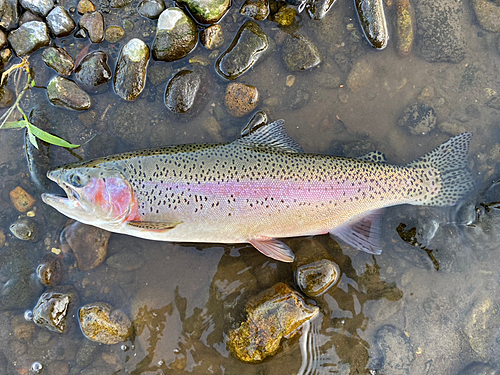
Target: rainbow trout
[(257, 189)]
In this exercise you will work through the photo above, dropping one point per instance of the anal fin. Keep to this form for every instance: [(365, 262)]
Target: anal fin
[(273, 248), (363, 234), (154, 226)]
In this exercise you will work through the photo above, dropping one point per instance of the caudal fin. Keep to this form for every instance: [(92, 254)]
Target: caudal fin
[(450, 159)]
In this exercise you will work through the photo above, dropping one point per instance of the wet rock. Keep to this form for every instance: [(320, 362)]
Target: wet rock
[(55, 308), (494, 102), (480, 327), (59, 60), (176, 35), (100, 322), (419, 118), (487, 14), (131, 67), (7, 97), (26, 229), (373, 23), (60, 22), (119, 3), (184, 91), (93, 23), (256, 9), (299, 53), (258, 120), (10, 16), (19, 287), (38, 7), (396, 350), (273, 314), (58, 368), (23, 330), (65, 93), (479, 368), (93, 71), (50, 270), (212, 37), (90, 244), (85, 6), (285, 15), (441, 39), (315, 270), (21, 200), (3, 39), (451, 128), (359, 76), (296, 98), (240, 99), (125, 261), (29, 37), (113, 34), (151, 8), (317, 9), (249, 46), (86, 353), (329, 77), (207, 11), (405, 25), (28, 17)]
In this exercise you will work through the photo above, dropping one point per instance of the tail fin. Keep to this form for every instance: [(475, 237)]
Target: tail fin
[(450, 159)]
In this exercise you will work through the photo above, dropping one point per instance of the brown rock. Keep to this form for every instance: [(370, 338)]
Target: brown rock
[(90, 244), (93, 22), (85, 6), (102, 323), (113, 34), (23, 330), (240, 99), (50, 270), (21, 200)]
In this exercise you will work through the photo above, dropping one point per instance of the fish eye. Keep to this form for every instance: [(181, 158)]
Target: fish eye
[(76, 180)]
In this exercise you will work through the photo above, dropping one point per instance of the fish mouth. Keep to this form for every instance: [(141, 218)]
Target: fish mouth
[(70, 205)]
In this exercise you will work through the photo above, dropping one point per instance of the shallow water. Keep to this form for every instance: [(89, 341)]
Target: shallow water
[(439, 288)]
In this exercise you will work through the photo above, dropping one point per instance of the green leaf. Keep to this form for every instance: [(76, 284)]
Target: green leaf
[(15, 124), (49, 138), (32, 139)]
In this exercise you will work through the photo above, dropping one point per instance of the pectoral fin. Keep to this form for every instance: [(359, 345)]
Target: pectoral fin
[(273, 249), (154, 226), (363, 234)]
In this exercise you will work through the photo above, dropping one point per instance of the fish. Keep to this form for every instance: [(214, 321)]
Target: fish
[(258, 189)]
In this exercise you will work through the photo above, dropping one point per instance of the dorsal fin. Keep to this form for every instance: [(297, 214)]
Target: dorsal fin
[(271, 135), (374, 157)]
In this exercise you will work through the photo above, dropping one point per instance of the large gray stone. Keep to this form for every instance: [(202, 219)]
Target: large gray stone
[(60, 22), (39, 7), (131, 68), (10, 15), (29, 37)]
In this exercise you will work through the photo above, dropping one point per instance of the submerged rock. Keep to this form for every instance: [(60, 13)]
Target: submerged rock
[(315, 270), (100, 322), (60, 22), (405, 25), (240, 99), (285, 15), (65, 93), (55, 308), (487, 14), (184, 91), (396, 350), (317, 9), (29, 37), (21, 199), (299, 53), (419, 118), (59, 60), (151, 8), (50, 270), (359, 76), (93, 70), (249, 46), (275, 313), (207, 11), (176, 35), (89, 244), (26, 229), (212, 37), (113, 34), (131, 68), (441, 39), (256, 9)]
